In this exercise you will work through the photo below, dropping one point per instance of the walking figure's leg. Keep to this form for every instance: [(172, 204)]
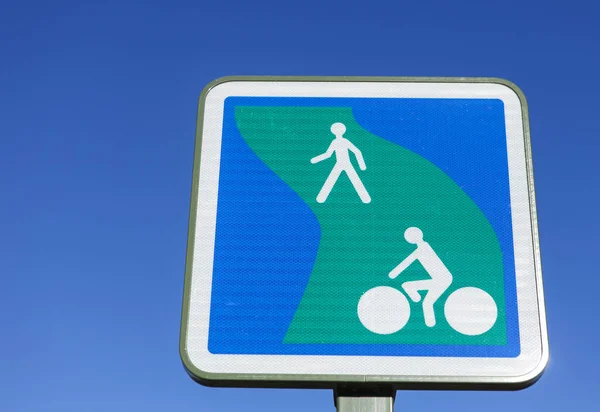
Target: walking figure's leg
[(413, 287), (358, 185), (328, 185)]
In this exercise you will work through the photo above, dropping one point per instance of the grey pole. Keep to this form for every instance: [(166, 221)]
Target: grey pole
[(364, 400)]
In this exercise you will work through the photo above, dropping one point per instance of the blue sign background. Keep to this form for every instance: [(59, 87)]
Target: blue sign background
[(255, 289)]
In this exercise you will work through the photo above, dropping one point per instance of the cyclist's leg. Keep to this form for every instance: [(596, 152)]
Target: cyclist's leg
[(432, 296), (413, 287)]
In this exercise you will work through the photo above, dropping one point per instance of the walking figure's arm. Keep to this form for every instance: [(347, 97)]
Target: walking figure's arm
[(403, 265), (323, 156), (359, 157)]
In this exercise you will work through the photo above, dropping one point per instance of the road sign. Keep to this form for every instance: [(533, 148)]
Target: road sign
[(377, 230)]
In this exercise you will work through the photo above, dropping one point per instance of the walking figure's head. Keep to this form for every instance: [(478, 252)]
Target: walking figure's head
[(338, 129), (413, 235)]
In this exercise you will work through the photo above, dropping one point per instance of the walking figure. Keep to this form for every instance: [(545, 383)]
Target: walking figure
[(441, 278), (340, 146)]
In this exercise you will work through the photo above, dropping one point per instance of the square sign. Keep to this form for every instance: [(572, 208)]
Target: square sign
[(363, 230)]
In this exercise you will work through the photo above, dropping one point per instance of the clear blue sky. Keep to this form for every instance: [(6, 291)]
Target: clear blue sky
[(97, 120)]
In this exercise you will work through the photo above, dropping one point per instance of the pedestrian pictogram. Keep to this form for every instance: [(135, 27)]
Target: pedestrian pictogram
[(340, 147)]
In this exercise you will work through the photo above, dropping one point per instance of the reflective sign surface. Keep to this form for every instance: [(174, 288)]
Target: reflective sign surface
[(363, 230)]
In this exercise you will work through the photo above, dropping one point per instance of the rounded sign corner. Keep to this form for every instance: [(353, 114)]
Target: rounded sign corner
[(195, 372), (526, 381), (530, 375), (513, 87), (538, 370), (206, 90)]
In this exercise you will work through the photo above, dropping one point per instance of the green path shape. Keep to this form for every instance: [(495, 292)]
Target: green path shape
[(361, 243)]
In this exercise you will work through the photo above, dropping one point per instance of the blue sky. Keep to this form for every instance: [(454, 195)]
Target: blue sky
[(97, 120)]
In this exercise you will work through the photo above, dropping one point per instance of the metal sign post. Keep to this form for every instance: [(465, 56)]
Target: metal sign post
[(364, 399), (363, 232), (365, 404)]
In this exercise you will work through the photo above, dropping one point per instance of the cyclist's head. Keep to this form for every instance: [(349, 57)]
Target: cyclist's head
[(413, 235), (338, 129)]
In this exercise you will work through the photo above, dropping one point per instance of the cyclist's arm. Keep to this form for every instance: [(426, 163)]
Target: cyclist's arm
[(403, 265)]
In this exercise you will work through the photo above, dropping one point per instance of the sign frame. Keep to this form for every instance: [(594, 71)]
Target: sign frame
[(295, 380)]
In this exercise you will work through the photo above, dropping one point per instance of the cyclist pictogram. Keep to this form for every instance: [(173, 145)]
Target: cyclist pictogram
[(385, 310)]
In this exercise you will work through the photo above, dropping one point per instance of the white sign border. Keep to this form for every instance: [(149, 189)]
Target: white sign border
[(533, 337)]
